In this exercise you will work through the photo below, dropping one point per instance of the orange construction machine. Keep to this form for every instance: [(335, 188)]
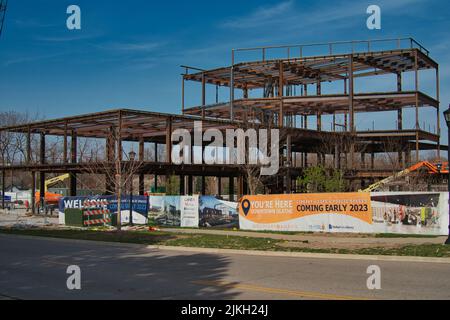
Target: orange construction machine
[(438, 168), (51, 198)]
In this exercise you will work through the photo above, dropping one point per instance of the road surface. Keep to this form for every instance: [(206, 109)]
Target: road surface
[(35, 268)]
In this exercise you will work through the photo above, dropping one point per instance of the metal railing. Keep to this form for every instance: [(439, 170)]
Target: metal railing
[(298, 50)]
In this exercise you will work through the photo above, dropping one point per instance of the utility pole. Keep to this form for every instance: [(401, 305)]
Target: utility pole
[(3, 6)]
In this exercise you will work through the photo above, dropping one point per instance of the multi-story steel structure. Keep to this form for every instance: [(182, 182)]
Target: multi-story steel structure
[(292, 88), (289, 93)]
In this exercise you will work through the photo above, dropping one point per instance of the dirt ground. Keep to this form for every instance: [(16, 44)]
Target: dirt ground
[(324, 240), (20, 218)]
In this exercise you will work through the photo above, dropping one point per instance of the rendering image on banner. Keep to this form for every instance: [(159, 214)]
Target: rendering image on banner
[(410, 213), (165, 210), (218, 213)]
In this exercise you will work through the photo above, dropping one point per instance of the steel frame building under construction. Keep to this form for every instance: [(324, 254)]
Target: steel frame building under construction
[(283, 88)]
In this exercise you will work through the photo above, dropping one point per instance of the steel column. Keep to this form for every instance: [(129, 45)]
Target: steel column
[(169, 140), (438, 120), (65, 160), (33, 192), (74, 159), (182, 94), (281, 93), (231, 188), (232, 86), (42, 174), (351, 110), (141, 159), (28, 160), (42, 190), (219, 186), (203, 191), (182, 185), (416, 72), (400, 120), (190, 185), (203, 95)]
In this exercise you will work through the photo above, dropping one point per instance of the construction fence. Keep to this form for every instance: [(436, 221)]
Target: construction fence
[(170, 211), (388, 212)]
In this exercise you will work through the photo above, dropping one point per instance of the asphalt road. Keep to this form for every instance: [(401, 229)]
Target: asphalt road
[(35, 268)]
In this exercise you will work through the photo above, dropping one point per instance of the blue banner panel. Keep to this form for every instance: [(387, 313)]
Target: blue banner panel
[(140, 203)]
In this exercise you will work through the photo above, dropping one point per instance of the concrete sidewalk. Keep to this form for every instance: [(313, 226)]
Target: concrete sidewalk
[(320, 240)]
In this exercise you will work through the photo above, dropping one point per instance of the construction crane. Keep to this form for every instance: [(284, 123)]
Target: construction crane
[(439, 168), (3, 6)]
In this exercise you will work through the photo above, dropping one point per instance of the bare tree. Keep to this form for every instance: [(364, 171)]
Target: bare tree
[(118, 168), (255, 180), (13, 145)]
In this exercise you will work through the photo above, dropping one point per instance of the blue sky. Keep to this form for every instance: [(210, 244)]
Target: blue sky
[(128, 53)]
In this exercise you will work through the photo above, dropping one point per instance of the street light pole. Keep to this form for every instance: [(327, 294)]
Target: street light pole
[(132, 156), (447, 120)]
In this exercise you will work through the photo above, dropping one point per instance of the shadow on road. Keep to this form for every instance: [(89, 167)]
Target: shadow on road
[(36, 269)]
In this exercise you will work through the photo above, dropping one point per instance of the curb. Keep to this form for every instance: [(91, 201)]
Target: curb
[(75, 241), (304, 254)]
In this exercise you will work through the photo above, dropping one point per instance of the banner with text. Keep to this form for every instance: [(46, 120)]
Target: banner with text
[(333, 212), (189, 211), (139, 207)]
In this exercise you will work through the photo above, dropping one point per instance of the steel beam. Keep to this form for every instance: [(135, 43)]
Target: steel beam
[(169, 141)]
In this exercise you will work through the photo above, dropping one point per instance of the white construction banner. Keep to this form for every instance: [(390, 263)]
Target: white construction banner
[(401, 213), (189, 211), (410, 212), (333, 212)]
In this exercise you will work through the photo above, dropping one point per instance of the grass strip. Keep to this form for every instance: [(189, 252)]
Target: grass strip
[(223, 242)]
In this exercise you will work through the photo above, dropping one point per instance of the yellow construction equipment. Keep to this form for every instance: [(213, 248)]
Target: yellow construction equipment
[(54, 180), (51, 198), (440, 168)]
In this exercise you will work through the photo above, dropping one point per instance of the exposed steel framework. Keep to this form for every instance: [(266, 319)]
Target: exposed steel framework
[(282, 84), (273, 94)]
